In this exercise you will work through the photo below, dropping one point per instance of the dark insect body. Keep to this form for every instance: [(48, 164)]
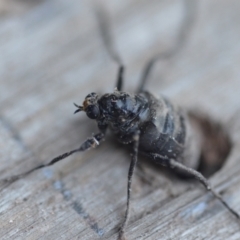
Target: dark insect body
[(150, 125), (164, 130)]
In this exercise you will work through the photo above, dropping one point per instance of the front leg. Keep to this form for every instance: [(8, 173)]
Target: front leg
[(88, 144), (130, 175)]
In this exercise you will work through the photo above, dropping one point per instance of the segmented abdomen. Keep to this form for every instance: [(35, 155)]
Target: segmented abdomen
[(168, 133)]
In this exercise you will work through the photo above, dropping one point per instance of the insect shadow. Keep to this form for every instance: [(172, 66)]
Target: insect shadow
[(152, 126)]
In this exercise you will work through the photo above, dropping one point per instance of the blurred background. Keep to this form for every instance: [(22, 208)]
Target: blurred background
[(51, 55)]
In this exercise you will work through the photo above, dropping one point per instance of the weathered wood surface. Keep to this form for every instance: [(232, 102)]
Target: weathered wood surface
[(50, 56)]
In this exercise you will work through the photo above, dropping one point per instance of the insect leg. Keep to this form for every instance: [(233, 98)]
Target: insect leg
[(104, 27), (88, 144), (204, 181), (120, 78), (130, 175), (188, 20)]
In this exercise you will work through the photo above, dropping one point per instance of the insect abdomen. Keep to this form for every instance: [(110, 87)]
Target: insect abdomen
[(168, 134)]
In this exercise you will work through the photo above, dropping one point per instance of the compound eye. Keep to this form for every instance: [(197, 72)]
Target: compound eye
[(92, 111)]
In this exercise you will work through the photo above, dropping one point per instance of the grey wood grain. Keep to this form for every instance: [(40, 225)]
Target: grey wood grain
[(51, 56)]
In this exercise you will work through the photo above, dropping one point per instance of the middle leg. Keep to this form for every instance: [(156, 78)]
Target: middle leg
[(130, 175)]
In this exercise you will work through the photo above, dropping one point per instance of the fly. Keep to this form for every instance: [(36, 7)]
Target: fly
[(150, 125)]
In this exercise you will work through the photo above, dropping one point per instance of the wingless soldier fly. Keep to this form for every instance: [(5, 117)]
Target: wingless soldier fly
[(150, 125)]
